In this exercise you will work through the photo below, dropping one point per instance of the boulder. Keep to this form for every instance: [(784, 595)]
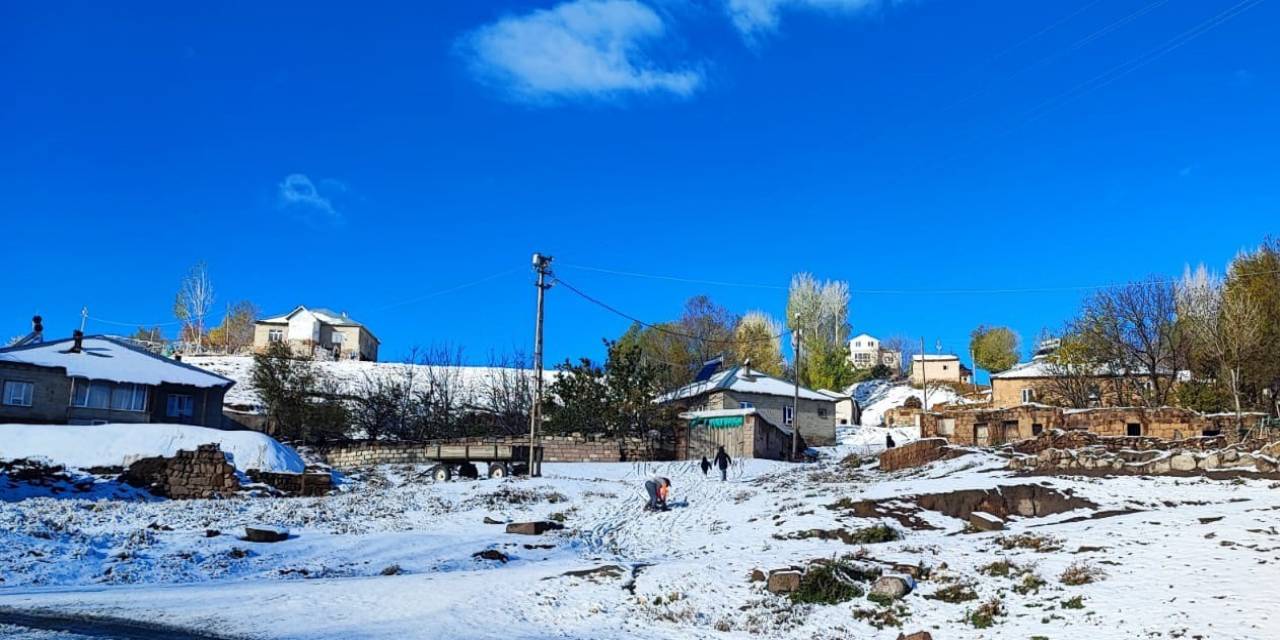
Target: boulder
[(1211, 462), (533, 528), (491, 554), (1265, 464), (783, 581), (757, 575), (893, 587), (914, 570), (260, 533), (488, 520), (212, 533), (1157, 466), (984, 521), (919, 635), (1183, 462)]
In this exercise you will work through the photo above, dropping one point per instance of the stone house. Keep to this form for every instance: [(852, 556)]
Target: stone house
[(318, 332), (743, 433), (1039, 380), (98, 379), (993, 426), (741, 387), (939, 367), (865, 352)]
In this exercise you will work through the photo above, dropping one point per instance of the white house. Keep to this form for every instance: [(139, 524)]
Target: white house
[(865, 351)]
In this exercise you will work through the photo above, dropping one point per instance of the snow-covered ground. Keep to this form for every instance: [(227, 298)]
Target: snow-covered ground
[(1170, 570), (115, 445)]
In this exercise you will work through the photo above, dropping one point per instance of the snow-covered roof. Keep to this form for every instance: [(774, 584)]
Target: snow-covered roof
[(934, 356), (835, 395), (327, 316), (103, 358), (743, 380)]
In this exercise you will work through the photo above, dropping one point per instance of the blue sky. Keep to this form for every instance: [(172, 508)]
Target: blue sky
[(375, 157)]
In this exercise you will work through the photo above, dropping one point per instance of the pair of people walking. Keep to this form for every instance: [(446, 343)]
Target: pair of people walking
[(722, 462)]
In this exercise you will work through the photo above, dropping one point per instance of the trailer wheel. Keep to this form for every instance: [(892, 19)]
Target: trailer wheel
[(468, 470), (499, 470), (441, 473)]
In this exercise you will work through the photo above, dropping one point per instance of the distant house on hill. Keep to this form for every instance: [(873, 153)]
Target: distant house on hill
[(939, 367), (97, 379), (772, 398), (318, 332), (865, 352)]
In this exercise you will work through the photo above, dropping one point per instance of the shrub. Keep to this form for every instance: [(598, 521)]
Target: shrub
[(986, 613), (1001, 569), (874, 534), (1031, 583), (1080, 573), (1076, 602), (954, 594), (1037, 543), (831, 583)]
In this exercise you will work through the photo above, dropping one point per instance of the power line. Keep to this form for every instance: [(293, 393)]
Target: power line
[(1088, 287), (451, 289), (657, 327), (136, 324)]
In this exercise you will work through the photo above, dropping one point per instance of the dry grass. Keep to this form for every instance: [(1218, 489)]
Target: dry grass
[(1081, 573)]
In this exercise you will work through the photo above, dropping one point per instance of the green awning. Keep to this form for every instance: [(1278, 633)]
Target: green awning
[(720, 422)]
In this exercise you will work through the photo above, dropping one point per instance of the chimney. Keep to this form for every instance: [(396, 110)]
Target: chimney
[(37, 329), (78, 341)]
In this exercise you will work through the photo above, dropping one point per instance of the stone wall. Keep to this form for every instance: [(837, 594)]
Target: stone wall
[(308, 484), (571, 448), (203, 473), (1186, 457), (988, 426), (918, 453)]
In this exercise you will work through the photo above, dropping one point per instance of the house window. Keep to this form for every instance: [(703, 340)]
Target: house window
[(788, 414), (822, 412), (1037, 429), (275, 335), (17, 393), (1133, 429), (180, 406), (745, 405), (129, 397), (947, 427), (1028, 395), (92, 394)]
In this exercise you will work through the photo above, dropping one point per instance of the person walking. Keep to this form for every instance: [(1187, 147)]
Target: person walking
[(723, 461), (706, 465)]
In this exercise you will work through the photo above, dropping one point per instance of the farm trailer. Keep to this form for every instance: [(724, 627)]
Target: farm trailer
[(503, 460)]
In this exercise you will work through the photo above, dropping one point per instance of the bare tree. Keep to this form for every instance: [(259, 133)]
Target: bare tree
[(906, 348), (1072, 380), (194, 302), (442, 392), (1225, 325), (1132, 331), (506, 392)]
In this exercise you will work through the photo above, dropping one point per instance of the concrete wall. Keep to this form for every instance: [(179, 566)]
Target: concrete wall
[(817, 419), (935, 370), (50, 394)]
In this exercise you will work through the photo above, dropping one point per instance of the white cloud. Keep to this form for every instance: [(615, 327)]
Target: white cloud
[(576, 49), (297, 193), (753, 18)]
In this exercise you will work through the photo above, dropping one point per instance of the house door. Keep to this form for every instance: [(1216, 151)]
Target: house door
[(981, 436)]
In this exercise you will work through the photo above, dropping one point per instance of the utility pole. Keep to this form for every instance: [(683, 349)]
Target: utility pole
[(973, 375), (924, 377), (542, 265), (795, 406)]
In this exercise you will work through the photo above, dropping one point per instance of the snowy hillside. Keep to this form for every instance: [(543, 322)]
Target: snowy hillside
[(350, 374), (114, 445), (878, 396)]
